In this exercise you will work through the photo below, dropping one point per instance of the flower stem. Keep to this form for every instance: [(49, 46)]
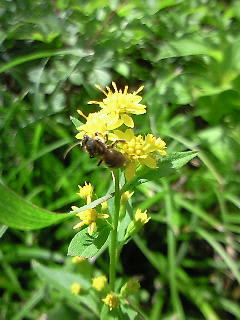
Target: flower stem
[(113, 239)]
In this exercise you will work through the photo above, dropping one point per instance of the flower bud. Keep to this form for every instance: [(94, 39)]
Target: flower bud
[(130, 287)]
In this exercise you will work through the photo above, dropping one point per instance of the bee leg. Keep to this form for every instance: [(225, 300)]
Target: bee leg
[(115, 142), (99, 162), (106, 138), (99, 135)]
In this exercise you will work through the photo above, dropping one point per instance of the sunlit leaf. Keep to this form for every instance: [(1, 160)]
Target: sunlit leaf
[(18, 213)]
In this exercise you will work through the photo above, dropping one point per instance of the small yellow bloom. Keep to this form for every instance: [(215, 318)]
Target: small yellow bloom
[(75, 288), (104, 206), (120, 103), (89, 217), (99, 282), (136, 224), (78, 259), (100, 123), (141, 217), (126, 196), (139, 150), (86, 192), (111, 300)]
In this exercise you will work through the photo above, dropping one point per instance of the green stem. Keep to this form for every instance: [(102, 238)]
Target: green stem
[(113, 239), (171, 239)]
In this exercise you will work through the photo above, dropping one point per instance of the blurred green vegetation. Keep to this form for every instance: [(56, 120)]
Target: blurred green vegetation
[(187, 55)]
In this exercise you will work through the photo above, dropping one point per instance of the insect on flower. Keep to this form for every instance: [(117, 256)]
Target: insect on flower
[(103, 151), (106, 153)]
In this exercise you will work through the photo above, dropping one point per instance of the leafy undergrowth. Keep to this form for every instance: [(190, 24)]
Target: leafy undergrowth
[(186, 54)]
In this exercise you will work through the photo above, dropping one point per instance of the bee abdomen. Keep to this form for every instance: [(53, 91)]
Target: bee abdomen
[(114, 159)]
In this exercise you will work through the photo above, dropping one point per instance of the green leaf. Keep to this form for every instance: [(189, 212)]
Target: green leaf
[(88, 246), (30, 304), (76, 122), (233, 266), (44, 54), (198, 211), (62, 280), (93, 204), (168, 165), (179, 159), (18, 213), (193, 44), (61, 311), (101, 76), (118, 313)]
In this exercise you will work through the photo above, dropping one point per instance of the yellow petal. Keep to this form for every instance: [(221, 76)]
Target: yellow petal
[(138, 90), (79, 225), (115, 124), (74, 208), (120, 134), (92, 228), (162, 152), (149, 162), (79, 135), (114, 86), (102, 216), (99, 88), (81, 114), (130, 170), (128, 135), (127, 120)]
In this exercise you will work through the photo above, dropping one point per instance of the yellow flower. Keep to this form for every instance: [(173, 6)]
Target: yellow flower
[(120, 103), (141, 217), (99, 282), (75, 288), (126, 196), (86, 192), (78, 259), (99, 123), (89, 217), (104, 206), (111, 300), (139, 150), (134, 226)]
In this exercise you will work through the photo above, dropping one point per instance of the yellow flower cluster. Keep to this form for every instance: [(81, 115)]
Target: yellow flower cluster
[(120, 103), (139, 150), (75, 288), (140, 218), (88, 217), (111, 300), (115, 112), (77, 259), (99, 282)]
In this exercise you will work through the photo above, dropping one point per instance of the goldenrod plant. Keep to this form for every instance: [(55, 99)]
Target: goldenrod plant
[(109, 222), (106, 136)]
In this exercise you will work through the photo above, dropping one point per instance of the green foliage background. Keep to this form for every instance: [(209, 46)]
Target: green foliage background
[(187, 55)]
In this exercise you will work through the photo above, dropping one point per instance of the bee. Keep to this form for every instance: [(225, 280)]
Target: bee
[(106, 153), (101, 150)]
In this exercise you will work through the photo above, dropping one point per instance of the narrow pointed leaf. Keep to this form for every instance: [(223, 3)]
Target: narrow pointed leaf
[(62, 280), (18, 213), (93, 204)]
